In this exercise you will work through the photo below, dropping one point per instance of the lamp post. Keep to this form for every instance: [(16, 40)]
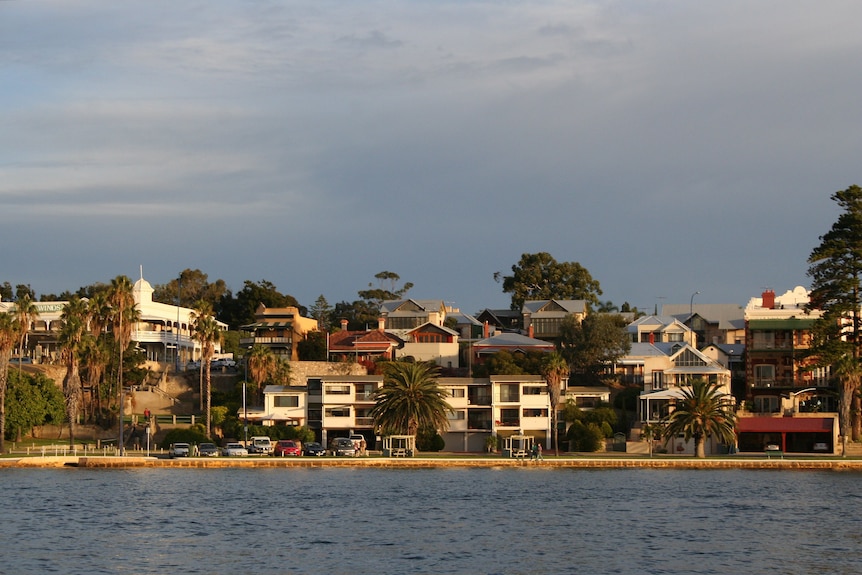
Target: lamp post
[(691, 304)]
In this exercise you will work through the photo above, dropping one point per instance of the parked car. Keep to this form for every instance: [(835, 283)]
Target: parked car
[(342, 446), (313, 449), (260, 445), (223, 362), (179, 450), (234, 450), (286, 447), (208, 450)]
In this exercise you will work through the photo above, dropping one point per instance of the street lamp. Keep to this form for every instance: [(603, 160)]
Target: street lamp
[(691, 304)]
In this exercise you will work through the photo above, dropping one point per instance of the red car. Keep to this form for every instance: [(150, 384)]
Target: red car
[(286, 447)]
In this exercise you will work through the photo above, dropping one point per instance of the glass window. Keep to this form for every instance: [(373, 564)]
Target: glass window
[(338, 389), (764, 375), (287, 401), (510, 392)]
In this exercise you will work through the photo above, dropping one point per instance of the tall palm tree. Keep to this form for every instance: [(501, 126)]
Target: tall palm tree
[(704, 410), (72, 337), (8, 338), (555, 368), (207, 331), (122, 300), (410, 399), (849, 374), (25, 313), (262, 366)]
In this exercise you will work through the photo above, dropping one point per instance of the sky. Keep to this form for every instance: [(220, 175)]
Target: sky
[(668, 147)]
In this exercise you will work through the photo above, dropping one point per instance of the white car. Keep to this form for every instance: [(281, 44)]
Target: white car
[(180, 450), (234, 450)]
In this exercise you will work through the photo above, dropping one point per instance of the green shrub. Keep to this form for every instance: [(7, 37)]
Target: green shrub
[(189, 435), (585, 437)]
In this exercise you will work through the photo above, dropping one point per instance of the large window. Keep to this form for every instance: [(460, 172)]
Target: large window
[(764, 375), (510, 392), (337, 412), (535, 389), (763, 339), (509, 418), (457, 392), (338, 389), (286, 401), (658, 380), (767, 404), (457, 415), (535, 412)]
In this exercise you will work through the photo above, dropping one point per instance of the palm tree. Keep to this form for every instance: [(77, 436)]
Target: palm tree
[(849, 374), (410, 399), (71, 338), (554, 369), (122, 300), (207, 331), (262, 366), (704, 410), (8, 338), (25, 313)]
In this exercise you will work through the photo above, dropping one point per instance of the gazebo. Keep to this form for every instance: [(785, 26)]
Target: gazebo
[(517, 445), (399, 446)]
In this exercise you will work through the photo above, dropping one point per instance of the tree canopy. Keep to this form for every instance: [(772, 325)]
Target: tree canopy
[(593, 344), (410, 399), (703, 411), (539, 276), (835, 268)]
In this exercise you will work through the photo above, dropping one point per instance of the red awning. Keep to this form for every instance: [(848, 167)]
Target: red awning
[(784, 424)]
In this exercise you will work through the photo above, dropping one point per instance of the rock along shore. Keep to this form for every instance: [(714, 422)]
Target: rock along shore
[(577, 462)]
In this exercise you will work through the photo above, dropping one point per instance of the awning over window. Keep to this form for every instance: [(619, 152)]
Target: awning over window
[(784, 424)]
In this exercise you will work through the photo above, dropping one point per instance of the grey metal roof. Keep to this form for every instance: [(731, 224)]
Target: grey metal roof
[(726, 315)]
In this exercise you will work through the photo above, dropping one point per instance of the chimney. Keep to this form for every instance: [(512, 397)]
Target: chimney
[(344, 325), (530, 330), (768, 299), (486, 330), (381, 323)]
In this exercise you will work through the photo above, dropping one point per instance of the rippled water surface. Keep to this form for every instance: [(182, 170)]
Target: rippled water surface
[(471, 521)]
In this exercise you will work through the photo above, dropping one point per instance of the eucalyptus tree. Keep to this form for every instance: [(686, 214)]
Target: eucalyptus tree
[(25, 313), (410, 399), (72, 340), (835, 268), (8, 338), (539, 276), (703, 411), (206, 330), (554, 369)]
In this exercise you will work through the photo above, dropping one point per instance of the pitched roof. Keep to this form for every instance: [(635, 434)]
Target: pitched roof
[(727, 315), (555, 305)]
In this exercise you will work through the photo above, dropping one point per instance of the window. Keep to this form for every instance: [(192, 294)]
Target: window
[(582, 401), (658, 380), (763, 339), (457, 392), (767, 404), (509, 418), (426, 337), (674, 336), (365, 391), (458, 415), (286, 401), (764, 375), (338, 389), (534, 389), (510, 392), (531, 412), (337, 412)]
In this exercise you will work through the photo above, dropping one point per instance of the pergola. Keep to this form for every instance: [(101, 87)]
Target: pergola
[(399, 445), (517, 445)]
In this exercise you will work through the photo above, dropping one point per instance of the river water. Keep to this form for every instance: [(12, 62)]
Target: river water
[(434, 521)]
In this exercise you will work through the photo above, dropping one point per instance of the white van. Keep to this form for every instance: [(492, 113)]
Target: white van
[(260, 444)]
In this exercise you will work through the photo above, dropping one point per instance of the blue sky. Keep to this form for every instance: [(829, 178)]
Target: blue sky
[(668, 147)]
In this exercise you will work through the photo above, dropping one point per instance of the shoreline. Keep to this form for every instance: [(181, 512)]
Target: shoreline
[(577, 462)]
